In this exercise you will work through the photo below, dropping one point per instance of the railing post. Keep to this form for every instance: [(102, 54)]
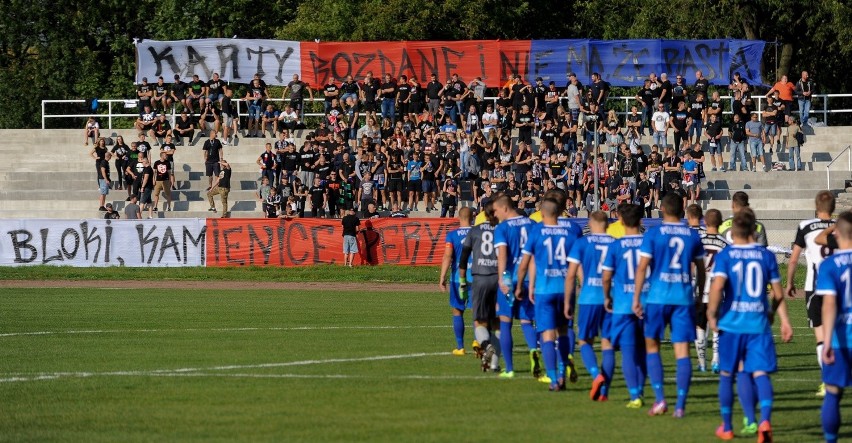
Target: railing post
[(42, 114), (109, 115), (825, 110)]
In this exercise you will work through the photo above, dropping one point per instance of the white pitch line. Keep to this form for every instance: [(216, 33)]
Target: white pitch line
[(246, 329)]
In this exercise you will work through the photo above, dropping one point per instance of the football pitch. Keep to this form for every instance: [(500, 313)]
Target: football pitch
[(331, 364)]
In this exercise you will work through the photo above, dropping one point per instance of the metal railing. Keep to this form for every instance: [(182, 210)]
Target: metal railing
[(124, 104), (848, 151)]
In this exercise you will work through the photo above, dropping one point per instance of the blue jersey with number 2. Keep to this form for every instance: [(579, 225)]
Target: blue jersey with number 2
[(672, 248), (747, 270), (834, 279)]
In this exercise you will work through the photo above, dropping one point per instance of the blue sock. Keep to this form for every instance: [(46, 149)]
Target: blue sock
[(458, 329), (608, 368), (745, 391), (683, 376), (548, 353), (831, 416), (572, 338), (506, 344), (726, 401), (641, 370), (655, 373), (628, 367), (765, 395), (563, 354), (530, 336), (590, 359)]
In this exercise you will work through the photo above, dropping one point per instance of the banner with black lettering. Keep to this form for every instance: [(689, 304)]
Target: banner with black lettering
[(236, 60), (97, 242)]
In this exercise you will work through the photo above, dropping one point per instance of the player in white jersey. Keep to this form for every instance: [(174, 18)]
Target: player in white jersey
[(805, 241), (713, 242)]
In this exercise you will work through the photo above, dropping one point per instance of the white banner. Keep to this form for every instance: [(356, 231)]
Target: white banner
[(97, 242), (236, 60)]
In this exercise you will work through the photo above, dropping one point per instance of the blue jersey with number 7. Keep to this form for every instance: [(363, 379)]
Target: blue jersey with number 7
[(589, 252), (672, 248)]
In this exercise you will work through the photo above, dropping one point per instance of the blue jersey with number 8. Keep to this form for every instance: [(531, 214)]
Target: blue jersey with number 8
[(672, 248)]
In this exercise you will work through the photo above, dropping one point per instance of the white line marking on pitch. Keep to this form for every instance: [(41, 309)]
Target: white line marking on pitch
[(247, 329)]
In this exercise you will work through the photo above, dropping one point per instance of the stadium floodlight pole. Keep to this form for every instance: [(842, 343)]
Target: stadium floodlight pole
[(596, 152)]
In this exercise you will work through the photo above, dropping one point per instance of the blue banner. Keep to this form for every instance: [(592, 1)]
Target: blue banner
[(629, 62)]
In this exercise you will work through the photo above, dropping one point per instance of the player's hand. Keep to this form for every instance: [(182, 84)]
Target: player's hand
[(505, 289), (443, 286), (786, 332), (827, 354), (531, 296), (608, 304), (519, 291), (791, 290), (637, 309), (569, 312), (712, 324)]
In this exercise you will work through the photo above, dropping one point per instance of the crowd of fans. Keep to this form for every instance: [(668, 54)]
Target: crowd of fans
[(391, 146)]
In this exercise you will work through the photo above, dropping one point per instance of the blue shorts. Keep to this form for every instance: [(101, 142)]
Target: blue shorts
[(679, 318), (625, 330), (350, 244), (523, 309), (549, 311), (428, 185), (456, 301), (770, 129), (755, 351), (103, 187), (215, 97), (838, 373), (593, 320)]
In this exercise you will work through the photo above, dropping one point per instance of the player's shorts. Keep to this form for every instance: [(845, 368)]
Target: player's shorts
[(679, 318), (549, 311), (455, 299), (839, 373), (350, 244), (625, 330), (813, 303), (701, 315), (755, 351), (483, 291), (593, 321), (520, 309)]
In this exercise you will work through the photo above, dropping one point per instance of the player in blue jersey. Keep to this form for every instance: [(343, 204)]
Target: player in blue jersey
[(586, 258), (834, 284), (618, 284), (458, 301), (669, 251), (509, 237), (548, 245), (741, 311)]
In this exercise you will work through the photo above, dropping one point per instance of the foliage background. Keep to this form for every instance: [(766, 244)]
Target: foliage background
[(66, 49)]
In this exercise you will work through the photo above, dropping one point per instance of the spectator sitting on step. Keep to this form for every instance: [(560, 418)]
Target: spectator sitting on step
[(160, 98), (92, 130), (184, 127), (288, 119), (146, 119), (162, 128), (209, 120), (396, 212), (111, 214), (269, 121)]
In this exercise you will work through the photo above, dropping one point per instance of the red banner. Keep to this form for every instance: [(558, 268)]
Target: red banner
[(493, 60), (304, 242)]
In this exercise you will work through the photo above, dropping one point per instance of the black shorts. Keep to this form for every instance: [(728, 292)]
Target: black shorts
[(395, 185), (415, 107), (296, 104), (415, 186), (212, 169), (370, 106), (814, 306), (483, 297), (701, 314), (146, 196)]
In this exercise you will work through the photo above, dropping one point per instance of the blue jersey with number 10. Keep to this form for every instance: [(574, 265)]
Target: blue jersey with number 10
[(589, 252), (834, 279), (512, 233), (456, 238), (622, 259), (672, 248), (747, 270), (549, 246)]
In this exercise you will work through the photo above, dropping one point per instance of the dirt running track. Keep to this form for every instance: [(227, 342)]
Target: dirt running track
[(222, 285)]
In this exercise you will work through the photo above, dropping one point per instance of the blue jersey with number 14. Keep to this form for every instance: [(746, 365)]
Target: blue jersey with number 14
[(621, 259), (672, 248), (513, 233), (589, 252), (549, 246), (747, 270), (834, 279), (456, 238)]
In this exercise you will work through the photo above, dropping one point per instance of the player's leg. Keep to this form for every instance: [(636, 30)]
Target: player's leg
[(607, 356), (813, 304), (506, 311), (748, 398), (547, 312), (729, 364), (566, 351), (682, 319), (654, 330), (831, 412), (527, 316), (760, 359), (458, 331), (624, 336), (588, 330), (701, 334)]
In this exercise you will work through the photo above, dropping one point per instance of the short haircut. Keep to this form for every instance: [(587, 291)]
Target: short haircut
[(549, 208), (559, 197), (673, 205), (743, 224), (713, 218), (824, 202), (694, 211), (844, 225), (631, 215), (740, 199), (466, 213), (504, 200), (488, 209), (599, 217)]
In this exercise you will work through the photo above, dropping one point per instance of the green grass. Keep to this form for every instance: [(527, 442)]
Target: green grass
[(322, 273), (427, 398)]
